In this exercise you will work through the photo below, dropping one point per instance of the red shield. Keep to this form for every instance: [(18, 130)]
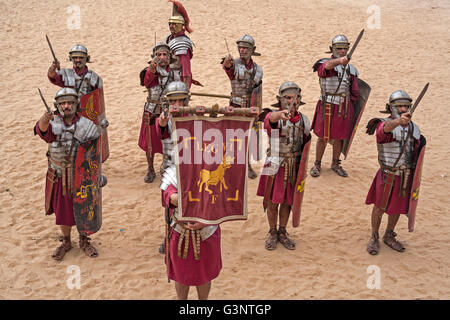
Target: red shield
[(211, 155), (414, 197), (359, 105), (300, 185), (87, 198), (92, 106), (256, 98)]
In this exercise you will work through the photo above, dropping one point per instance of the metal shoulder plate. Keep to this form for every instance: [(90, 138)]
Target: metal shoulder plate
[(169, 177), (95, 80), (180, 45), (352, 70), (319, 62), (86, 130), (57, 125), (258, 74)]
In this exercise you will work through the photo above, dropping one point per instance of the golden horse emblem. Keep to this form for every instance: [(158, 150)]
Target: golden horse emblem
[(214, 177)]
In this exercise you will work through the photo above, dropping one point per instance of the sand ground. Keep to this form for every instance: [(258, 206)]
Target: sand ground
[(410, 48)]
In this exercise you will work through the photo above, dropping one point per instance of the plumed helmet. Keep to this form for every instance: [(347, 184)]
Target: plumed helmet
[(177, 90), (180, 16), (338, 42), (79, 50)]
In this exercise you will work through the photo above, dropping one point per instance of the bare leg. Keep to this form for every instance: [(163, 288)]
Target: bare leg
[(374, 244), (337, 148), (392, 221), (182, 291), (285, 211), (320, 149), (150, 176), (272, 214), (65, 230), (377, 215), (203, 291)]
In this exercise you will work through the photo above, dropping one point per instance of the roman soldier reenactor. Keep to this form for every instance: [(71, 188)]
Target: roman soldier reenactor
[(79, 78), (289, 132), (246, 79), (334, 118), (64, 131), (400, 153), (155, 78), (198, 261)]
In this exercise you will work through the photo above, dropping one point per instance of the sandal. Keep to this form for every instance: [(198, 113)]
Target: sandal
[(60, 252), (151, 175), (88, 248), (336, 167), (315, 171), (284, 239), (271, 242), (390, 241), (374, 244)]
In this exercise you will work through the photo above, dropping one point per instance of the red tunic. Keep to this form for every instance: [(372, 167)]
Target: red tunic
[(191, 272), (397, 204), (279, 193), (340, 127), (151, 80), (61, 205)]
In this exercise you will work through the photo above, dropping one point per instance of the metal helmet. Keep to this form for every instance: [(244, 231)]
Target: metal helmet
[(398, 98), (288, 88), (177, 90), (79, 50), (160, 46), (338, 42), (66, 95), (179, 17), (247, 41)]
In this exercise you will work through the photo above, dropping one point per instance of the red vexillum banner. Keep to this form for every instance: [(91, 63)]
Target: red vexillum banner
[(211, 156)]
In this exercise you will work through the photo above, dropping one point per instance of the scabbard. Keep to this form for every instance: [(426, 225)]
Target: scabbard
[(268, 191), (404, 182), (327, 122), (49, 182), (149, 133), (167, 241), (388, 179)]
